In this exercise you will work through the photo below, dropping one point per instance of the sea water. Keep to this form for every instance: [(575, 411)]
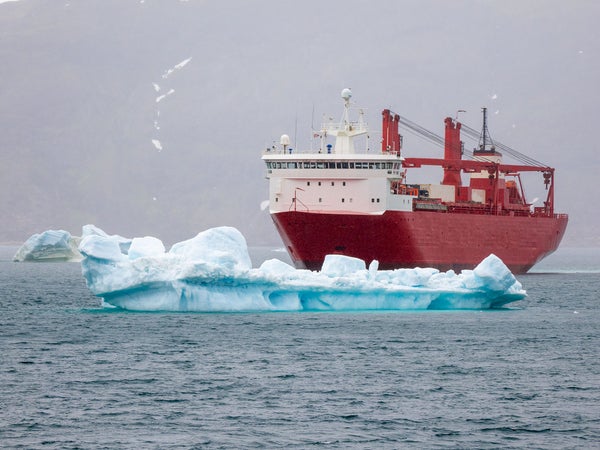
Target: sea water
[(75, 375)]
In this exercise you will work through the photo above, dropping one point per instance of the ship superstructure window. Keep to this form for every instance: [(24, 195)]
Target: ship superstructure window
[(343, 183), (332, 183), (343, 200), (308, 183), (333, 165)]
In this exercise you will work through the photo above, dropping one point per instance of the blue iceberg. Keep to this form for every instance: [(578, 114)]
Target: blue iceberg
[(212, 272)]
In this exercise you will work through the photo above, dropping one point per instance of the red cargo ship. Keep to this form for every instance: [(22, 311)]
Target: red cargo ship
[(337, 200)]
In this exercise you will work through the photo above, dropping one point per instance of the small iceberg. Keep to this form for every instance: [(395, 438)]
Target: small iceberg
[(51, 245), (212, 272), (61, 246)]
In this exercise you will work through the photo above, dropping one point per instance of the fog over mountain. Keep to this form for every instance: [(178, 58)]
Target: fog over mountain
[(148, 117)]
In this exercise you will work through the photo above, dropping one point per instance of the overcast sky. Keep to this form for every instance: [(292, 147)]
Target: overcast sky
[(148, 117)]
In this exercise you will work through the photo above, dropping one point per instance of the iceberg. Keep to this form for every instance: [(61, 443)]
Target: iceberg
[(92, 230), (213, 272), (51, 245), (60, 245)]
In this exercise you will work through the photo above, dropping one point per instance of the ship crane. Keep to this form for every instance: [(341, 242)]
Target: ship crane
[(486, 160)]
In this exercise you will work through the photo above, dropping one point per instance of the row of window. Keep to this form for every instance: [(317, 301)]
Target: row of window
[(373, 200), (332, 165)]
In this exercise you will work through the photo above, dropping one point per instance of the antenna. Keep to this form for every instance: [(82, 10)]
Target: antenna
[(296, 131), (485, 135)]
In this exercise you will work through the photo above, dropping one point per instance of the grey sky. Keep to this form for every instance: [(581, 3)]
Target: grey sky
[(78, 109)]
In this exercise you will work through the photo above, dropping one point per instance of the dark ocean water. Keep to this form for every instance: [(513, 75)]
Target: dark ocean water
[(74, 375)]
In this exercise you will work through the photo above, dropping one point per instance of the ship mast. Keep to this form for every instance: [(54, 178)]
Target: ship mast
[(485, 135), (345, 131)]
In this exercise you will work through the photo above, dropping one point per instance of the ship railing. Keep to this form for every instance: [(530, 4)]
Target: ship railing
[(481, 209), (351, 126), (542, 212), (475, 208)]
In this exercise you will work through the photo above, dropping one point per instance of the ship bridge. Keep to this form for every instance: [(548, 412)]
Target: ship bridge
[(337, 177)]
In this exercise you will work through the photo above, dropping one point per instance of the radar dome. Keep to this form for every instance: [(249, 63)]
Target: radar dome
[(346, 94), (285, 139)]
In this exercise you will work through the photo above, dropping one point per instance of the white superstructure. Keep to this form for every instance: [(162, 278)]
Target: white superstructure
[(337, 177)]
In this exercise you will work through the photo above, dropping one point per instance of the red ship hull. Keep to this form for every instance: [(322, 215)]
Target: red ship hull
[(419, 238)]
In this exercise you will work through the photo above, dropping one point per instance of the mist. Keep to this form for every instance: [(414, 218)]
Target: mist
[(149, 117)]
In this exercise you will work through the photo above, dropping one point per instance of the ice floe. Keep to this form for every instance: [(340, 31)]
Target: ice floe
[(213, 272)]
